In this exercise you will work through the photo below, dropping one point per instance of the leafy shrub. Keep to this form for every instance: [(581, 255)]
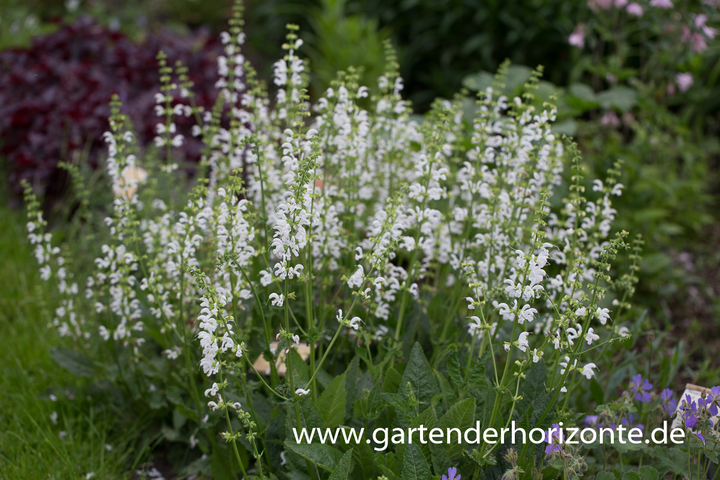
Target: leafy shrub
[(54, 95), (349, 236)]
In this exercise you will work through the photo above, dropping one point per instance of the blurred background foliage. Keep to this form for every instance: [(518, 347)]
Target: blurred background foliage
[(613, 74)]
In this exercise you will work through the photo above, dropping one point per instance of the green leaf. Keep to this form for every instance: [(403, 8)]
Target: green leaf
[(604, 476), (460, 416), (478, 82), (477, 376), (351, 377), (343, 468), (324, 456), (621, 98), (597, 392), (331, 403), (582, 97), (420, 376), (453, 367), (72, 361), (224, 464), (648, 473), (532, 387), (415, 466), (644, 473), (671, 459), (396, 401), (567, 127), (515, 80)]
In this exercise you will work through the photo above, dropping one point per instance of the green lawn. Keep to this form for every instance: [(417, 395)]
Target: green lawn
[(32, 445)]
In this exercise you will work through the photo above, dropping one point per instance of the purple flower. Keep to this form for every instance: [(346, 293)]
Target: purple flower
[(451, 474), (641, 389), (591, 421), (553, 434), (699, 435), (630, 423), (689, 412), (668, 402)]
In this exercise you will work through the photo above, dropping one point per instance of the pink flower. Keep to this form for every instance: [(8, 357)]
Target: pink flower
[(594, 5), (661, 3), (684, 81), (634, 9), (700, 23), (577, 37), (621, 3), (610, 119), (698, 42)]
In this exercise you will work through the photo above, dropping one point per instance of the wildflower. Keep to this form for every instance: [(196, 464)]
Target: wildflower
[(591, 421), (573, 333), (588, 370), (523, 343), (700, 23), (355, 323), (302, 392), (594, 5), (577, 37), (212, 391), (668, 403), (610, 119), (526, 314), (537, 356), (634, 9), (356, 280), (277, 300), (451, 475), (553, 440), (591, 336), (684, 81), (641, 389), (603, 315), (661, 3)]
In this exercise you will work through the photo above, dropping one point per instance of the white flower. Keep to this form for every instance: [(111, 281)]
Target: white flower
[(581, 312), (523, 343), (536, 357), (212, 391), (603, 315), (591, 336), (526, 314), (573, 333), (302, 392), (277, 300), (356, 279), (588, 370), (355, 323), (505, 311)]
